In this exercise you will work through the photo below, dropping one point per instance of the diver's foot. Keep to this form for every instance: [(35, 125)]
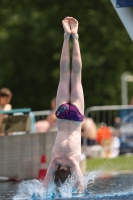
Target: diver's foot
[(74, 27), (66, 26)]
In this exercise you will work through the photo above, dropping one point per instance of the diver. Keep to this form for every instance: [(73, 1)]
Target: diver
[(69, 112)]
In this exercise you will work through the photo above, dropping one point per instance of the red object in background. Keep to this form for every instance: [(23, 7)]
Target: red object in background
[(3, 178), (43, 168), (103, 133)]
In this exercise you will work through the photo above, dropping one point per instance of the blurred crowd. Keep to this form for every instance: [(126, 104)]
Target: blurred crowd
[(101, 137)]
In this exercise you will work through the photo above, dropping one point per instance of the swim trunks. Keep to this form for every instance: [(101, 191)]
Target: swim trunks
[(69, 111)]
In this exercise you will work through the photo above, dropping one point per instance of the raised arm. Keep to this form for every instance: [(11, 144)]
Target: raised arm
[(50, 172)]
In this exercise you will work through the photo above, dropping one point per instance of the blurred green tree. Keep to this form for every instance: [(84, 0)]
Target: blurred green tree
[(31, 37)]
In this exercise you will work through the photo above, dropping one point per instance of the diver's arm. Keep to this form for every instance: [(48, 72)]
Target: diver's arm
[(49, 175), (76, 171)]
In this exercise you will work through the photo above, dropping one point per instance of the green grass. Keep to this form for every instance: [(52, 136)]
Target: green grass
[(112, 164)]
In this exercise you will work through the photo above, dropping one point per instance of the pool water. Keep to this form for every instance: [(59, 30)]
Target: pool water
[(99, 187), (112, 187), (8, 190)]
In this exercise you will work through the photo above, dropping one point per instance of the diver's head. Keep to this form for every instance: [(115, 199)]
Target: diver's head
[(61, 175)]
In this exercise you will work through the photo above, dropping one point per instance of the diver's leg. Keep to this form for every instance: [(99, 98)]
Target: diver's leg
[(63, 92), (77, 96)]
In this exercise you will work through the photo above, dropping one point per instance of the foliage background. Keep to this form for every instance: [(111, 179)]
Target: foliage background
[(31, 37)]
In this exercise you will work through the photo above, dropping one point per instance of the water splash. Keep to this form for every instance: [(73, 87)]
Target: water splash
[(99, 187), (33, 189)]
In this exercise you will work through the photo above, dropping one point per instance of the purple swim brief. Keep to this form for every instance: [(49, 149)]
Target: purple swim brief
[(69, 111)]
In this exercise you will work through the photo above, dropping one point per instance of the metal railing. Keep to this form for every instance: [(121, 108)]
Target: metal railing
[(40, 115), (107, 114), (120, 120)]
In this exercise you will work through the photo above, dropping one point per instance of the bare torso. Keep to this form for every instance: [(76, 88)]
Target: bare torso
[(67, 151), (68, 142)]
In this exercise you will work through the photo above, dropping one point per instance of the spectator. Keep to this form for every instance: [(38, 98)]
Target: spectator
[(89, 131), (103, 133), (107, 138), (5, 98), (44, 125), (117, 124), (131, 102), (104, 138)]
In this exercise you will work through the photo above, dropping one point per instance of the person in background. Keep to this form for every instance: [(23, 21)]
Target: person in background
[(5, 99), (117, 125), (104, 138), (89, 131), (51, 118), (43, 126), (108, 139)]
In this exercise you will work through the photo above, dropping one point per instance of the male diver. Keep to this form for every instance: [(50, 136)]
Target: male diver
[(70, 110)]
